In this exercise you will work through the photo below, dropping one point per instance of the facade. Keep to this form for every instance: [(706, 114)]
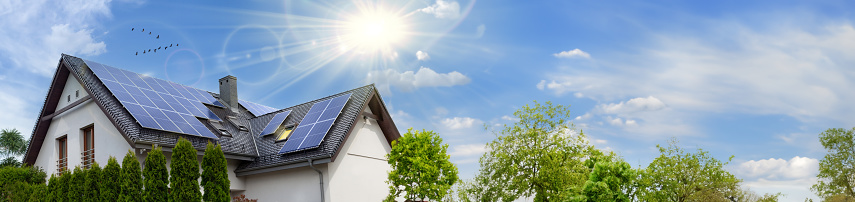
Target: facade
[(88, 117)]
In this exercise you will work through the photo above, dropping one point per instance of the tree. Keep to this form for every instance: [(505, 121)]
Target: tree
[(12, 144), (185, 173), (76, 183), (53, 188), (131, 178), (677, 175), (836, 168), (420, 167), (156, 177), (610, 180), (540, 155), (215, 174), (93, 181), (110, 188)]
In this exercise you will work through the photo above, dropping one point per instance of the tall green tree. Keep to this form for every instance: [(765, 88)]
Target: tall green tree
[(541, 155), (53, 188), (838, 166), (156, 177), (63, 183), (420, 167), (110, 187), (12, 144), (76, 184), (184, 175), (215, 174), (610, 180), (131, 179), (677, 175), (93, 181)]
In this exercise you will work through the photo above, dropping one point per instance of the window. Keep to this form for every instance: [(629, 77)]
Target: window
[(77, 94), (283, 134), (88, 154), (69, 98), (62, 149)]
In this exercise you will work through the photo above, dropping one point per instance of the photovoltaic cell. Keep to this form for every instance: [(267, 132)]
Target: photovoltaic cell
[(156, 103), (275, 123), (315, 125), (256, 109)]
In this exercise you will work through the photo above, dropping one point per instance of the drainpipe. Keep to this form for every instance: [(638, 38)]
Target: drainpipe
[(320, 177)]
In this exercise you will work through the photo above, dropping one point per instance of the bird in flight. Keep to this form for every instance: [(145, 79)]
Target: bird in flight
[(137, 53), (143, 30), (132, 29), (158, 36)]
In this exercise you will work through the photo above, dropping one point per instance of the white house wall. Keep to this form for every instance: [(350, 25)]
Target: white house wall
[(360, 170), (297, 184)]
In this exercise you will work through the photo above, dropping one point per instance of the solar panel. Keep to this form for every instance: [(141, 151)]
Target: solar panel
[(315, 125), (158, 104), (275, 122), (256, 109)]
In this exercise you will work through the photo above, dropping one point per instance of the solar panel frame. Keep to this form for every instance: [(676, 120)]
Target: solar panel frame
[(312, 130), (275, 122)]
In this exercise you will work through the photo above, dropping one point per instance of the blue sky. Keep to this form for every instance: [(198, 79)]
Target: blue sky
[(758, 80)]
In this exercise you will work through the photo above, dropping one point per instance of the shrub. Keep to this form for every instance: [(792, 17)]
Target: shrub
[(75, 184), (156, 177), (185, 173), (93, 180), (110, 187), (131, 178), (52, 190), (215, 177)]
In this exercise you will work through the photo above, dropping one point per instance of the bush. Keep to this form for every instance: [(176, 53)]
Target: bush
[(53, 187), (62, 183), (215, 176), (185, 173), (110, 187), (76, 182), (131, 178), (156, 177), (93, 180)]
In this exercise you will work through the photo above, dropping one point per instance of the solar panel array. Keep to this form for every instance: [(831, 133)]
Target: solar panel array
[(275, 122), (315, 125), (156, 103), (256, 109)]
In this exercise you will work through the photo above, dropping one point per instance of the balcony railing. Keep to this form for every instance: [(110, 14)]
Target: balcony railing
[(88, 158), (61, 165)]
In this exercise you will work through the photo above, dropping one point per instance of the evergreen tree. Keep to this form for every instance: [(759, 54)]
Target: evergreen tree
[(53, 186), (215, 177), (185, 173), (110, 187), (75, 184), (156, 177), (131, 179), (93, 181), (62, 186)]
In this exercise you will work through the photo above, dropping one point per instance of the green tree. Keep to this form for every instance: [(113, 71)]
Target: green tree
[(76, 184), (156, 177), (610, 180), (185, 173), (53, 188), (12, 144), (93, 181), (838, 166), (420, 167), (63, 183), (109, 187), (215, 174), (131, 178), (677, 175), (540, 155)]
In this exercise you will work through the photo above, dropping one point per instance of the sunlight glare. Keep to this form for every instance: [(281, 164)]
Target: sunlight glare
[(374, 31)]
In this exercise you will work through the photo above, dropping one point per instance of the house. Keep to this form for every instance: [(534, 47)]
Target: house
[(328, 149)]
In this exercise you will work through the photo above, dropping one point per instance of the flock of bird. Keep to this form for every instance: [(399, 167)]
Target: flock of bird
[(153, 49)]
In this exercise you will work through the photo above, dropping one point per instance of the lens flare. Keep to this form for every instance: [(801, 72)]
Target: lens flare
[(373, 31)]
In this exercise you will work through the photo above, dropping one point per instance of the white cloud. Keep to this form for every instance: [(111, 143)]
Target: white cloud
[(558, 88), (35, 32), (409, 80), (443, 9), (460, 122), (614, 121), (467, 150), (480, 31), (423, 56), (649, 103), (797, 167), (575, 53), (510, 118)]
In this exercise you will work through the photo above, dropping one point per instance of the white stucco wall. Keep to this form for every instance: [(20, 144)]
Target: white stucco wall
[(108, 140), (359, 172), (298, 184)]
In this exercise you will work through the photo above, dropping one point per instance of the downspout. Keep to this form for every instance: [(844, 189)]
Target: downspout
[(320, 177)]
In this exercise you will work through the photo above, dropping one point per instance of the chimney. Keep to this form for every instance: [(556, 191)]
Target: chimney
[(228, 92)]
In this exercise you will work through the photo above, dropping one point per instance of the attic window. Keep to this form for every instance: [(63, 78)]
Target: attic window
[(219, 126), (69, 98), (236, 123), (284, 132), (77, 94)]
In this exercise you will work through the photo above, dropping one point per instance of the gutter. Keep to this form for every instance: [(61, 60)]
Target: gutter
[(320, 178)]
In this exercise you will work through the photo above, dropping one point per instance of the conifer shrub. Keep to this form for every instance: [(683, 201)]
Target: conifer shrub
[(93, 181), (156, 177), (52, 189), (75, 184), (62, 186), (215, 176), (185, 173), (131, 179), (110, 186)]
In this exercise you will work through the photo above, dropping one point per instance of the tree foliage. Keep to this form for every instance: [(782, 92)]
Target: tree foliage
[(109, 187), (12, 143), (420, 167), (185, 173), (541, 155), (677, 175), (93, 180), (611, 179), (131, 179), (19, 183), (77, 180), (156, 177), (215, 176), (838, 166)]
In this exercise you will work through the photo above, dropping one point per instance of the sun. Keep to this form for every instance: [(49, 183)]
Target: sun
[(373, 30)]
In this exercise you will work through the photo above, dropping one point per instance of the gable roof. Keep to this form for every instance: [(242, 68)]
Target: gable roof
[(258, 152)]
